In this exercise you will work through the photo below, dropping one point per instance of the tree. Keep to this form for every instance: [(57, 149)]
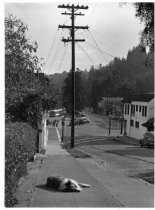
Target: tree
[(28, 91), (88, 85), (145, 12), (95, 95), (108, 80), (79, 92), (20, 61)]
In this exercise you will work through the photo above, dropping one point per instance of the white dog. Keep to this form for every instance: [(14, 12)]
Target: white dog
[(63, 184)]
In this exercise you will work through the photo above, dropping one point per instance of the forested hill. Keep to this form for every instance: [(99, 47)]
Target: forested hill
[(136, 72), (58, 79)]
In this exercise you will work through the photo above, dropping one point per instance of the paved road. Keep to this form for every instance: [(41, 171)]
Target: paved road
[(125, 170), (93, 139)]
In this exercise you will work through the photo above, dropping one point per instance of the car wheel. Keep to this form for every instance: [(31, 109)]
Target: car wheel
[(151, 146)]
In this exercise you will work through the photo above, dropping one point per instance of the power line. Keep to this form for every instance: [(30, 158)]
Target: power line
[(92, 12), (101, 50), (97, 46), (55, 52), (112, 43), (86, 53), (62, 57), (93, 47), (54, 56), (51, 49)]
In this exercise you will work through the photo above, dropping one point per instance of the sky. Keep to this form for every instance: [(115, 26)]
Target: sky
[(113, 31)]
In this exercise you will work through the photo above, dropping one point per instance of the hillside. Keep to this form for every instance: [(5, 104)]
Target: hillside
[(58, 79), (136, 72)]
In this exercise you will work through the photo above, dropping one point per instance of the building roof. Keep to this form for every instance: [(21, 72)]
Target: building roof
[(112, 98), (139, 97), (150, 122)]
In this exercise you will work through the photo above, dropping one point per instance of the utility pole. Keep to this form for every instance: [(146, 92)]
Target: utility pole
[(109, 125), (72, 8), (122, 120)]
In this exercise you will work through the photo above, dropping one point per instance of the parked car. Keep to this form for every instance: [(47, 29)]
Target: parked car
[(112, 116), (79, 114), (148, 139), (116, 116), (80, 121), (120, 118), (85, 120)]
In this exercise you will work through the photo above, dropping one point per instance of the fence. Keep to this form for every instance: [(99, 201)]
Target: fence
[(43, 136)]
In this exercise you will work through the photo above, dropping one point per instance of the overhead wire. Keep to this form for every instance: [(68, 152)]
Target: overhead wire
[(86, 53), (97, 46), (112, 43), (50, 49), (54, 56), (66, 47), (92, 12), (56, 50), (101, 50)]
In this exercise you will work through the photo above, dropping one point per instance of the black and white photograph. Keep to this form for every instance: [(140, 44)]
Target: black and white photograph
[(78, 104)]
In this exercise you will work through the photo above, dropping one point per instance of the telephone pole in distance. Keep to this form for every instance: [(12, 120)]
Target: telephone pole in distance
[(72, 8)]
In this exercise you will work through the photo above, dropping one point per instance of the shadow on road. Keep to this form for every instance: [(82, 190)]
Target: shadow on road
[(136, 151), (92, 140), (148, 177), (44, 187)]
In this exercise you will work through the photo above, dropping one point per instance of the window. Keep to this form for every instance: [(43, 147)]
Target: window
[(137, 124), (131, 122), (132, 109), (140, 108), (136, 108), (128, 108), (144, 111), (125, 109)]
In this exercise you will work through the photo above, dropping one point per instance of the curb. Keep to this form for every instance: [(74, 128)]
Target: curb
[(129, 141)]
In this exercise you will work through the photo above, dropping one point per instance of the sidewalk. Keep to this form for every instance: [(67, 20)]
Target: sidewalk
[(107, 189), (59, 161)]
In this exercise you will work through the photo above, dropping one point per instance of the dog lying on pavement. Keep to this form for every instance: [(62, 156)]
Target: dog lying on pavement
[(65, 185)]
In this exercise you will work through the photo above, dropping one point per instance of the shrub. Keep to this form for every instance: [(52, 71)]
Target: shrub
[(20, 145)]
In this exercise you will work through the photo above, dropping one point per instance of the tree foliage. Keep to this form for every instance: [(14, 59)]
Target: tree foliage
[(20, 146), (108, 80), (20, 61), (79, 92), (145, 12), (28, 91)]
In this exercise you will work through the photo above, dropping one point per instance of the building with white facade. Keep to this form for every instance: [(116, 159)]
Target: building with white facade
[(138, 109)]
